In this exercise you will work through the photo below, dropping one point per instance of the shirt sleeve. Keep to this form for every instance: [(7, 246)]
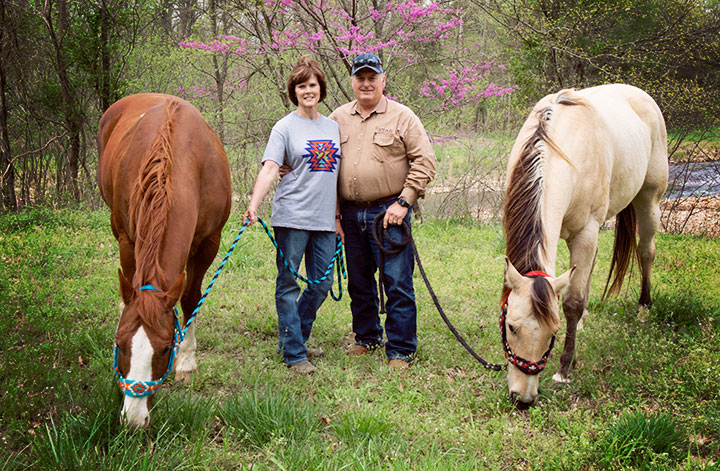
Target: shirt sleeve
[(421, 157), (275, 148)]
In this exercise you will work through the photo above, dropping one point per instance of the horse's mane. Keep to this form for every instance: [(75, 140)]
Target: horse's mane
[(522, 213), (541, 299), (149, 209)]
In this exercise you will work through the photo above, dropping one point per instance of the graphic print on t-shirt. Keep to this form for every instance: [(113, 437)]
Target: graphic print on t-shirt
[(323, 155)]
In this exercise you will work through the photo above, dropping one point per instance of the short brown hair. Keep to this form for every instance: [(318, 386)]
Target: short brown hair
[(303, 70)]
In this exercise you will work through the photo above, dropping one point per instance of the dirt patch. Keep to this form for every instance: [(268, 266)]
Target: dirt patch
[(691, 215)]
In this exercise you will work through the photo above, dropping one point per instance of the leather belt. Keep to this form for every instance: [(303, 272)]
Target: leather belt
[(370, 204)]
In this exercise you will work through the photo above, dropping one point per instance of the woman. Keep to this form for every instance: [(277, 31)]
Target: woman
[(304, 207)]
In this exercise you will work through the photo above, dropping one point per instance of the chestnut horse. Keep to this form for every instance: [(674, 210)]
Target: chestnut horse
[(165, 176), (581, 158)]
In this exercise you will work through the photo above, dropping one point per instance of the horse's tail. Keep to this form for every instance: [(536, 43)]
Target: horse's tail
[(624, 249)]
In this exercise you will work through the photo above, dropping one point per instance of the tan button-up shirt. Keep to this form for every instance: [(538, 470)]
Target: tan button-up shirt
[(384, 154)]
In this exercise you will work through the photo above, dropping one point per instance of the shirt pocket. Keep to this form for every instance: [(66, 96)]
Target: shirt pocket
[(386, 147)]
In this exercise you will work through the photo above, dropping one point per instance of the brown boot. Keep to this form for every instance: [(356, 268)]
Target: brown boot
[(304, 367), (356, 350), (398, 364)]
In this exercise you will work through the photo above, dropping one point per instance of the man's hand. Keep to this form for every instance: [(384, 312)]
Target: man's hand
[(284, 170), (394, 215)]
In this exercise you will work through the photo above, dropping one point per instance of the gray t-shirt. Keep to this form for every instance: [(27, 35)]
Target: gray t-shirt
[(305, 198)]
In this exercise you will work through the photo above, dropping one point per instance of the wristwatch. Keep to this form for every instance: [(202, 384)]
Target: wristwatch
[(403, 202)]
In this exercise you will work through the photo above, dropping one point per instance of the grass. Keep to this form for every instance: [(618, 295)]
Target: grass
[(643, 395)]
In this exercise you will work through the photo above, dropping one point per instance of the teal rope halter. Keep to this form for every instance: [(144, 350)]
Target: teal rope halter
[(137, 388)]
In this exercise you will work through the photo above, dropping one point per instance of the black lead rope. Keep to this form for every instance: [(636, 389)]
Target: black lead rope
[(380, 234)]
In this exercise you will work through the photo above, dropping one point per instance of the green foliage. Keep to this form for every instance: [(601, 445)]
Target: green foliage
[(360, 428), (268, 417), (642, 441), (571, 43), (638, 383)]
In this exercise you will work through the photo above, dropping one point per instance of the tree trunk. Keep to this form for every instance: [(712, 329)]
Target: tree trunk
[(7, 169), (72, 117), (104, 75), (220, 74)]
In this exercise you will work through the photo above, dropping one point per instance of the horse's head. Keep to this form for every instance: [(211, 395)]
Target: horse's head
[(528, 324), (145, 341)]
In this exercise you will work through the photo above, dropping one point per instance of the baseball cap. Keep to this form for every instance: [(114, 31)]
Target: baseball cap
[(367, 61)]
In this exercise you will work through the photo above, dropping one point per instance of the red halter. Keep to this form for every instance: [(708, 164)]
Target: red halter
[(526, 366)]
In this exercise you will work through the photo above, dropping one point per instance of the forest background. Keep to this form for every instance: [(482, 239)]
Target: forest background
[(471, 69)]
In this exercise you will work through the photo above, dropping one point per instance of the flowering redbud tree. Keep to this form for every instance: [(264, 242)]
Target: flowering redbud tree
[(423, 46)]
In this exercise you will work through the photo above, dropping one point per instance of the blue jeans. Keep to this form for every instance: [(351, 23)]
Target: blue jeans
[(363, 257), (296, 312)]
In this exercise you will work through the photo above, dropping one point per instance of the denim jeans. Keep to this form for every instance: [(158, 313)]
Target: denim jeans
[(363, 257), (297, 312)]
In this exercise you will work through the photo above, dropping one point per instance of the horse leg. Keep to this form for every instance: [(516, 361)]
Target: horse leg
[(587, 294), (582, 246), (127, 257), (648, 217), (196, 267)]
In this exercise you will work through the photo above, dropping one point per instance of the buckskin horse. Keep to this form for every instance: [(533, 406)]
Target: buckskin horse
[(581, 158), (164, 174)]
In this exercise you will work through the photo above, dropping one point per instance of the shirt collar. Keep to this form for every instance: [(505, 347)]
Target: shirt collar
[(381, 107)]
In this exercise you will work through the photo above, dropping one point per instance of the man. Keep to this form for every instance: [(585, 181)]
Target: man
[(387, 163)]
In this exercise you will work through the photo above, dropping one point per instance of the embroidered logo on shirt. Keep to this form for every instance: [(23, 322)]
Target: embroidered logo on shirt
[(323, 155), (385, 131)]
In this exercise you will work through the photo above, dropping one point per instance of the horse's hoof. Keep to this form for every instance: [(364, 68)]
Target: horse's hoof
[(558, 378), (184, 376)]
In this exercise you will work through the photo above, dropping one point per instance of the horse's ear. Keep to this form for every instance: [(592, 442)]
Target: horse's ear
[(561, 283), (126, 290), (174, 293), (513, 278)]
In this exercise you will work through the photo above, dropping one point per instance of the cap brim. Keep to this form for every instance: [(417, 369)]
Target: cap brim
[(375, 69)]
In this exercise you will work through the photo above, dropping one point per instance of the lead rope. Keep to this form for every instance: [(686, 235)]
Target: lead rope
[(381, 235)]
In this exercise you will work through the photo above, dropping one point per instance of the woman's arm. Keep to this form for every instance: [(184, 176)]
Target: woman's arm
[(264, 181)]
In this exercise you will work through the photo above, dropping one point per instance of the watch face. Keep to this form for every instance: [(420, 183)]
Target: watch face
[(402, 202)]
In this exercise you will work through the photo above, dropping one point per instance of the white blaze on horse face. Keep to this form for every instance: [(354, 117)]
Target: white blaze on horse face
[(135, 409)]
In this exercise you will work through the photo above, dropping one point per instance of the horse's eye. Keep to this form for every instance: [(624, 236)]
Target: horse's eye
[(512, 329), (166, 349)]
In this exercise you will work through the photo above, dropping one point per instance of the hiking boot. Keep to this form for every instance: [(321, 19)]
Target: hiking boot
[(356, 350), (315, 352), (304, 367), (398, 364)]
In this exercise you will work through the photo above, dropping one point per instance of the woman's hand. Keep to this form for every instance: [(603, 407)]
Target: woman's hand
[(251, 216), (339, 230)]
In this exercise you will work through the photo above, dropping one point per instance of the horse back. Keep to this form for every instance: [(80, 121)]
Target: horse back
[(198, 172), (609, 143)]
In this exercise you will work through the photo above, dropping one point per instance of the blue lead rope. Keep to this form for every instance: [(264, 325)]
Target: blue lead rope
[(337, 256), (145, 388)]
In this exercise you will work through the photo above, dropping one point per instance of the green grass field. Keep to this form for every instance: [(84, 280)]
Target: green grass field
[(644, 392)]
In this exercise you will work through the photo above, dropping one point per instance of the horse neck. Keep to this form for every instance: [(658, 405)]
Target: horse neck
[(150, 205)]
